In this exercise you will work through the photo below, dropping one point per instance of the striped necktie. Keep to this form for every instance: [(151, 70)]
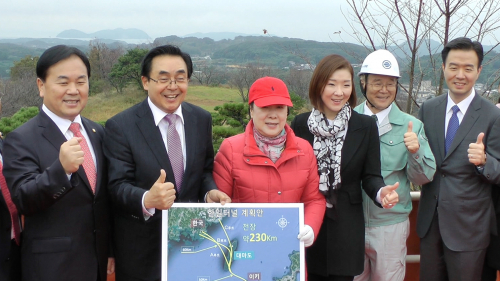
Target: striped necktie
[(175, 150)]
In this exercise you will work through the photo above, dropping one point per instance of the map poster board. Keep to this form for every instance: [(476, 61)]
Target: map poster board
[(211, 242)]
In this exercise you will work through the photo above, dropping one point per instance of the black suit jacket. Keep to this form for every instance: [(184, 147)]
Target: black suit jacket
[(340, 246), (137, 153), (493, 253), (463, 196), (66, 226)]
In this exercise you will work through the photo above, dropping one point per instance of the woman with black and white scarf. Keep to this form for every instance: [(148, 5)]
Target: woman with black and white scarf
[(346, 145)]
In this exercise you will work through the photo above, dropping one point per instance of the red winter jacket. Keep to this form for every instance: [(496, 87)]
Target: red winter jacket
[(245, 174)]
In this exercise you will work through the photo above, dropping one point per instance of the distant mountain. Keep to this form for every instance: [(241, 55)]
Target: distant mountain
[(276, 51), (117, 34), (217, 35), (400, 50)]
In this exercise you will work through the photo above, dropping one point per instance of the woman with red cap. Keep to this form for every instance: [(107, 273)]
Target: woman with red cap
[(268, 163)]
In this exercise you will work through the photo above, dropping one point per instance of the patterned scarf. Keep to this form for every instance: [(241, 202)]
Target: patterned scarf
[(327, 146), (271, 147)]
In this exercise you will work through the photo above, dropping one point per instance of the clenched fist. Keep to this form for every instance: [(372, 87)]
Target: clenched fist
[(71, 155)]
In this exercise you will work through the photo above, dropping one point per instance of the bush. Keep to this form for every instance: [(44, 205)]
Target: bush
[(232, 114), (298, 105), (219, 133), (97, 86), (9, 124)]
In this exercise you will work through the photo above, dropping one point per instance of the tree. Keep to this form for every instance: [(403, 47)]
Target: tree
[(208, 74), (298, 81), (24, 69), (128, 69), (410, 29), (102, 58), (21, 89), (244, 77)]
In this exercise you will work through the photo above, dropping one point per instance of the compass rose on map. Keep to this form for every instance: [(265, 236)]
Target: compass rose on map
[(282, 222)]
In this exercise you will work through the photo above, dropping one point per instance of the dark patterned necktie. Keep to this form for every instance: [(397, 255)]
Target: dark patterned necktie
[(175, 150), (452, 128)]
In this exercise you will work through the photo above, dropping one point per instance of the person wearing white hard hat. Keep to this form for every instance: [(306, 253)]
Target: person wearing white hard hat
[(405, 157)]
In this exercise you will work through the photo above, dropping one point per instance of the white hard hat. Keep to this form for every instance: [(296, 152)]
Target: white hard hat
[(380, 62)]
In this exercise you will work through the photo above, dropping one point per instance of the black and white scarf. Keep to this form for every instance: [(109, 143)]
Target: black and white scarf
[(327, 146)]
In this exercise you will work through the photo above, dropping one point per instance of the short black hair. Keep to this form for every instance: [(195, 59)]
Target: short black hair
[(463, 43), (56, 54), (169, 50)]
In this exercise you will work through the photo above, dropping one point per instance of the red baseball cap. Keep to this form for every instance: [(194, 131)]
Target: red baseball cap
[(268, 91)]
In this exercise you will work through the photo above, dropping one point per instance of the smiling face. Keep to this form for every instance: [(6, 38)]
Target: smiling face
[(461, 71), (66, 88), (167, 96), (336, 93), (380, 91), (269, 120)]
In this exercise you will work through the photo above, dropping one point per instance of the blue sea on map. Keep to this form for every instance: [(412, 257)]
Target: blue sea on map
[(270, 258)]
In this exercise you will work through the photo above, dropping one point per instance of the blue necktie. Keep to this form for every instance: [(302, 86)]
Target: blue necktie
[(452, 128)]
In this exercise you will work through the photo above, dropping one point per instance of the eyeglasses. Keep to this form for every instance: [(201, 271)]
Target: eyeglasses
[(379, 86), (178, 81)]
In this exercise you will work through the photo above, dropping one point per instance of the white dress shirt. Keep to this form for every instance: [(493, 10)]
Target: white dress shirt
[(463, 106), (63, 125), (162, 124)]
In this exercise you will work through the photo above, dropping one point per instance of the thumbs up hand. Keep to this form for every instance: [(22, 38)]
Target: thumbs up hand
[(388, 195), (161, 196), (476, 152), (411, 139)]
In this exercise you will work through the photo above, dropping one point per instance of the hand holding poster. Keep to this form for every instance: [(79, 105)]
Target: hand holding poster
[(209, 242)]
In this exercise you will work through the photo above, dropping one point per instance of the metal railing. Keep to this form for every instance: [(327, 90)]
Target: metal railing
[(415, 196)]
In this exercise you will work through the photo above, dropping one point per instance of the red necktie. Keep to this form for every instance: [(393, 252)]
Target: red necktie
[(88, 162), (14, 216)]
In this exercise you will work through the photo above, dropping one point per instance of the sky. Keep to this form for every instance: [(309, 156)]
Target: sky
[(311, 20)]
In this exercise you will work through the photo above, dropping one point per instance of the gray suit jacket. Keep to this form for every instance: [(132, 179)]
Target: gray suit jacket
[(459, 193)]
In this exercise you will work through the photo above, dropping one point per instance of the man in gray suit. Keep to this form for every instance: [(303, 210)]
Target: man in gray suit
[(456, 213)]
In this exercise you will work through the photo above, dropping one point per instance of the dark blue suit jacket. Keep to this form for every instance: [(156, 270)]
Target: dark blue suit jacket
[(66, 226), (136, 154)]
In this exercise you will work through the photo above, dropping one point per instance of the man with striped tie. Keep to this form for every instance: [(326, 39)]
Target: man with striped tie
[(159, 150)]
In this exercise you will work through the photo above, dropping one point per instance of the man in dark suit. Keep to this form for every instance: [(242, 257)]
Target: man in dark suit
[(159, 150), (456, 214), (492, 261), (10, 258), (56, 172)]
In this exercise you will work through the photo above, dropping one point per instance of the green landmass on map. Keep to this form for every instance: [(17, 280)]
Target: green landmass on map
[(293, 270), (179, 224), (234, 244)]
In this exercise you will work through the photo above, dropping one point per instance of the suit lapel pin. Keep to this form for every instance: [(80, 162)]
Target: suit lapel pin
[(93, 130)]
